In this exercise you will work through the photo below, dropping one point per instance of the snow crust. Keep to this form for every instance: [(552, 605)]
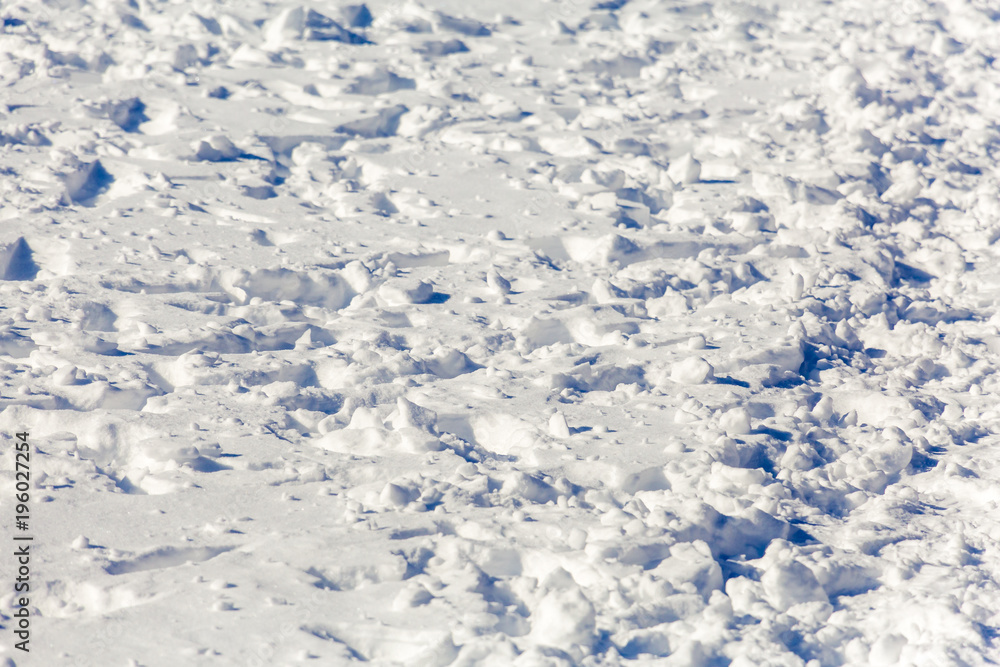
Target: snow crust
[(521, 333)]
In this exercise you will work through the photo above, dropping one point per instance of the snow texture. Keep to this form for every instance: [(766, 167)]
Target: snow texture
[(523, 333)]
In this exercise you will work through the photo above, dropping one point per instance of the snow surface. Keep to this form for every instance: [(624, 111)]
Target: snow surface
[(503, 333)]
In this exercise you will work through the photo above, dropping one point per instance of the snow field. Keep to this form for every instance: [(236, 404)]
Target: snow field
[(542, 333)]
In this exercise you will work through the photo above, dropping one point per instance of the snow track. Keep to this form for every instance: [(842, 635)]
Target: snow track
[(524, 333)]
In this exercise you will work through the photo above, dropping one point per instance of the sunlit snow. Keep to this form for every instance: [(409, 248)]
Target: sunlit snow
[(525, 333)]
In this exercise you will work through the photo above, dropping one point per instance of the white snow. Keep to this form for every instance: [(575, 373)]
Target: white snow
[(535, 333)]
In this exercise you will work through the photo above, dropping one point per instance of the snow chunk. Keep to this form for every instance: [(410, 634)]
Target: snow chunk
[(409, 415), (736, 422), (528, 487), (379, 81), (216, 149), (497, 283), (569, 146), (462, 25), (295, 23), (328, 290), (356, 16), (17, 261), (406, 292), (396, 496), (693, 370), (503, 434), (564, 618), (789, 583), (381, 124), (684, 170), (558, 428), (887, 649), (692, 563), (83, 180), (127, 114)]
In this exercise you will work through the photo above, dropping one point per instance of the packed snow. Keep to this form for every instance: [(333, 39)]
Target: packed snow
[(528, 333)]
